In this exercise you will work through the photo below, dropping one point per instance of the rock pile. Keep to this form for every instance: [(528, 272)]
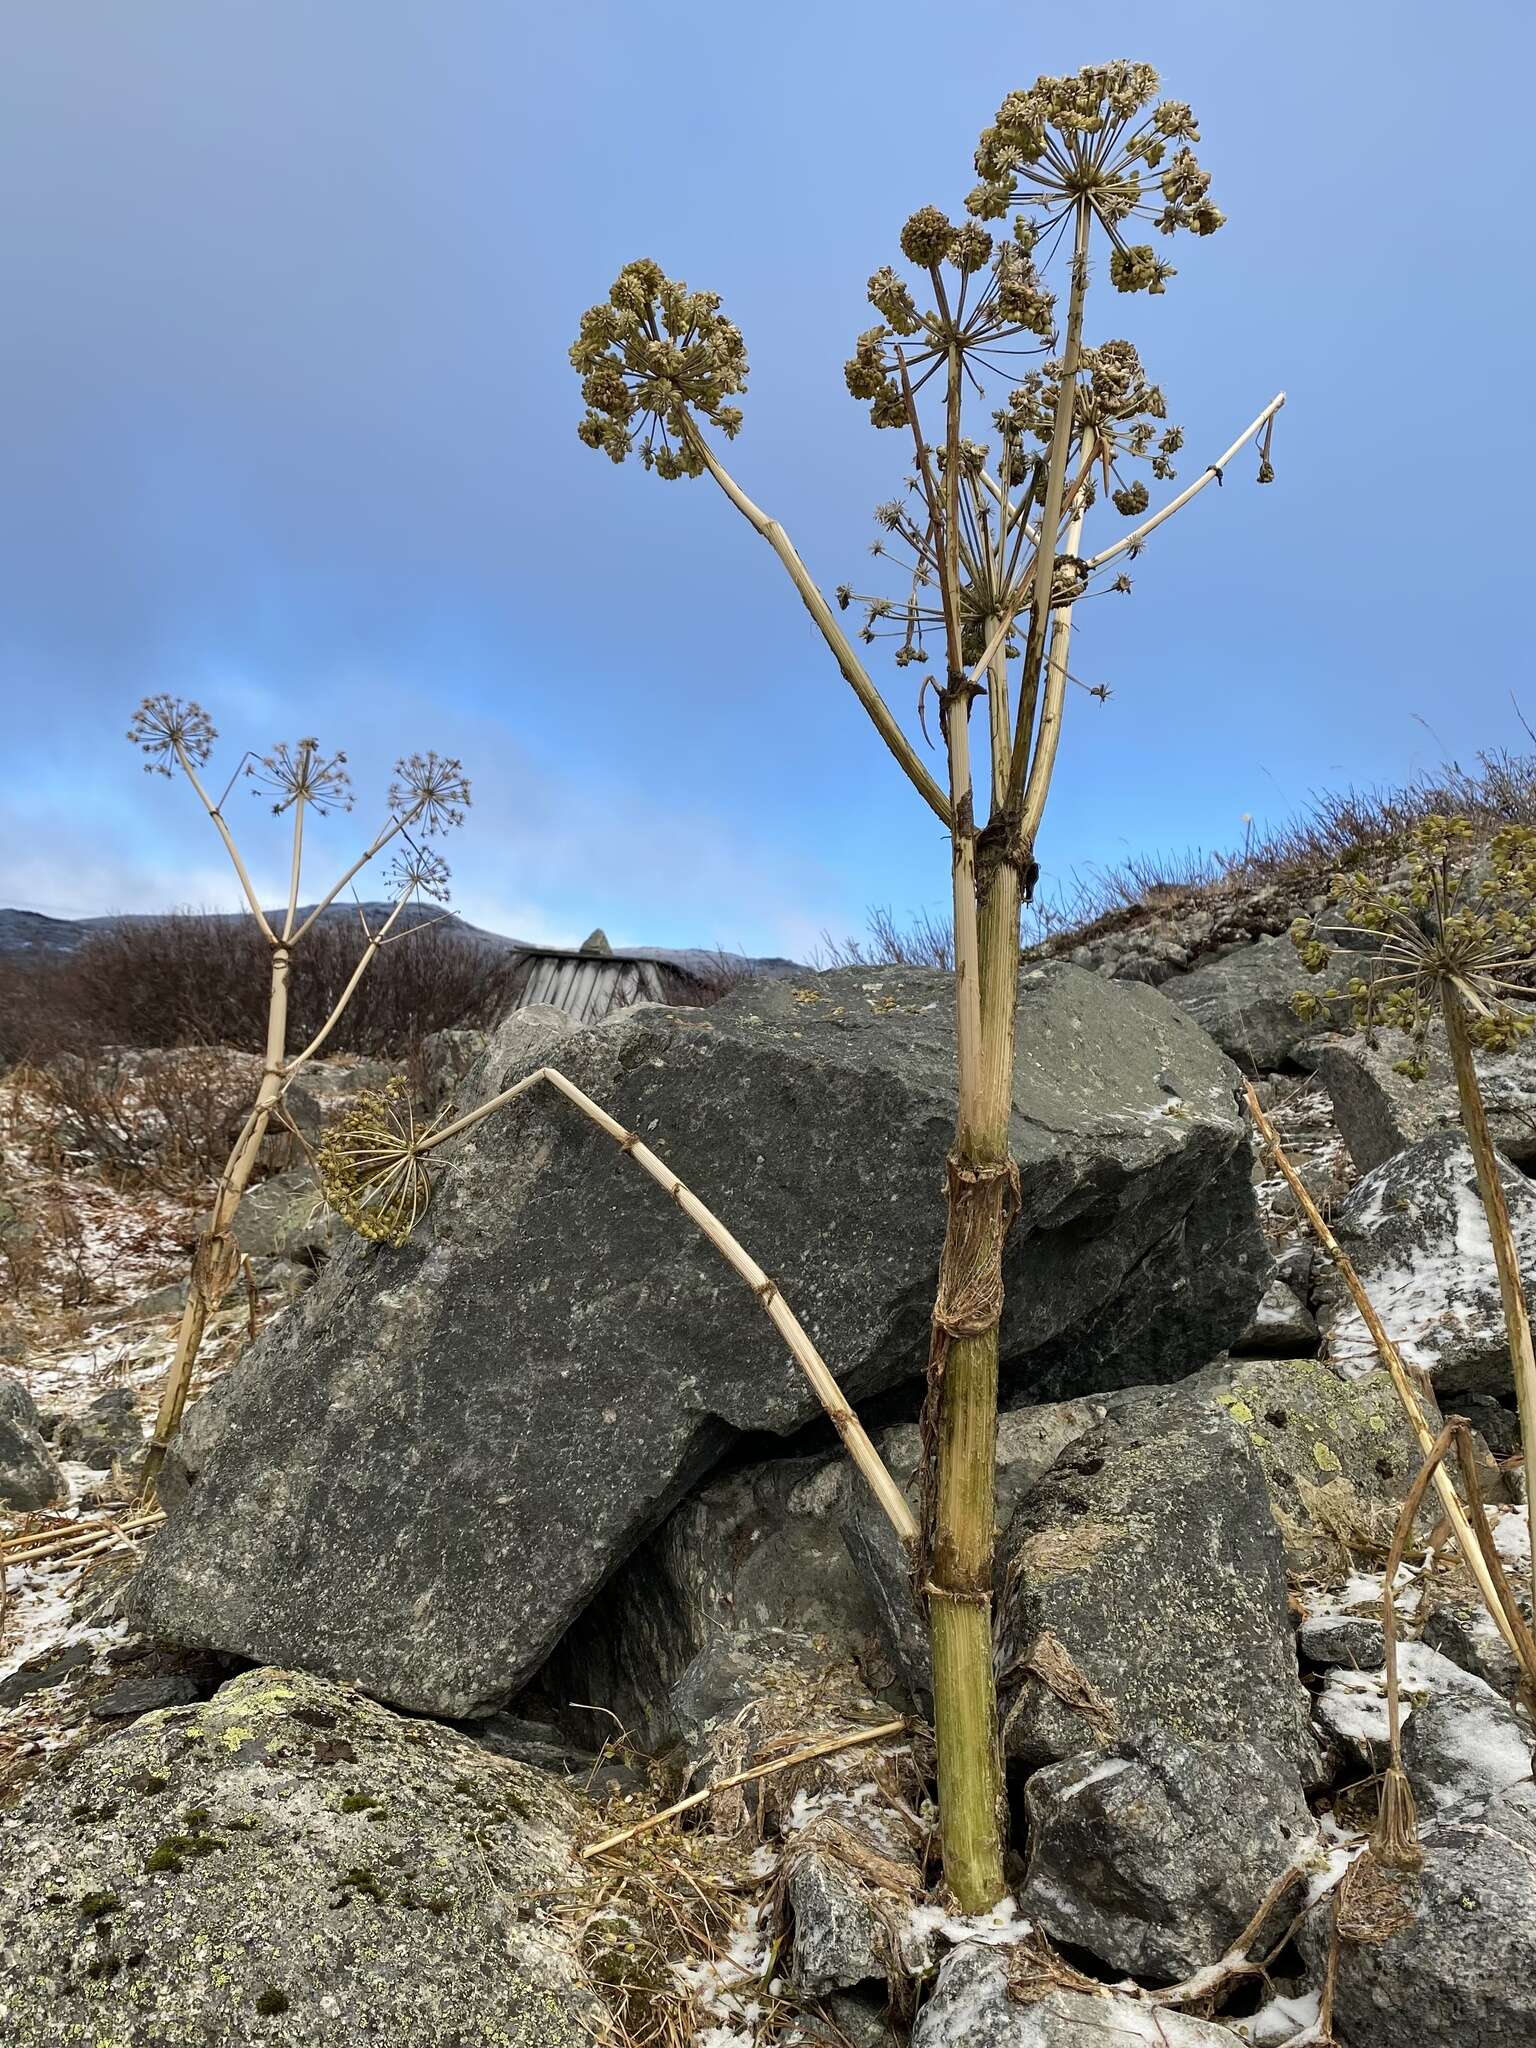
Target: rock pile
[(530, 1527)]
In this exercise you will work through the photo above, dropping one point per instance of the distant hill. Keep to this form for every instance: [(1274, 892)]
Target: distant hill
[(30, 934)]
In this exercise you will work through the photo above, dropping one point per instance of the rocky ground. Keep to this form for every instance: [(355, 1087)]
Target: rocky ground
[(488, 1549)]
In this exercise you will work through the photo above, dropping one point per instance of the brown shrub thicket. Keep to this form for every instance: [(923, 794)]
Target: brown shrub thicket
[(189, 980)]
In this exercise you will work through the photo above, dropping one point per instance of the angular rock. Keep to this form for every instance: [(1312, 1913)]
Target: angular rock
[(16, 1402), (445, 1060), (1242, 997), (459, 1440), (1446, 1956), (133, 1696), (1281, 1323), (29, 1473), (796, 1543), (288, 1862), (975, 2005), (1380, 1112), (1338, 1454), (1459, 1627), (1462, 1745), (1157, 1856), (1148, 1593), (1351, 1642), (108, 1433), (1416, 1233)]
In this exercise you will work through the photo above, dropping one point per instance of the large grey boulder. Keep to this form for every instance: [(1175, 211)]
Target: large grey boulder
[(1242, 997), (1148, 1594), (431, 1464), (1157, 1856), (1416, 1233), (1445, 1956), (1381, 1112), (975, 2005), (288, 1863)]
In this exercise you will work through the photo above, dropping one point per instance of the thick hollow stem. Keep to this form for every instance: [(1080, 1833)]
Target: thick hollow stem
[(842, 653), (1505, 1257)]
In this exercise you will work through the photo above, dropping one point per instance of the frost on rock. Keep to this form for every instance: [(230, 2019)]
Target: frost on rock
[(1416, 1233), (975, 2005)]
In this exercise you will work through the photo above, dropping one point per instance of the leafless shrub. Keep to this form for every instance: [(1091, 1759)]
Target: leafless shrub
[(190, 980)]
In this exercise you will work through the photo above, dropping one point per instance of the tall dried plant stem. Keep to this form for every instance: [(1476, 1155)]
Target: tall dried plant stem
[(1477, 1550), (216, 1259), (1506, 1258), (810, 1361), (963, 1358)]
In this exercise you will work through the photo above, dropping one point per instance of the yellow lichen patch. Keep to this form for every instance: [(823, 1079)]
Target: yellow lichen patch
[(1325, 1458)]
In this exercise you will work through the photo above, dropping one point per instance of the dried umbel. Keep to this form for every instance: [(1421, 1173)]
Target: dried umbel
[(371, 1169), (1103, 137), (654, 354), (981, 296), (165, 728), (431, 790), (419, 871), (301, 774), (1463, 916)]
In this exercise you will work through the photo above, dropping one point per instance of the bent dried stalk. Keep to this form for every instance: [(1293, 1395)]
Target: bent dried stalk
[(1395, 1840), (1506, 1258), (1480, 1556), (372, 1174)]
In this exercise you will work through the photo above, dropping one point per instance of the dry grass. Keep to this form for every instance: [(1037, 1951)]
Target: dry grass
[(1335, 830)]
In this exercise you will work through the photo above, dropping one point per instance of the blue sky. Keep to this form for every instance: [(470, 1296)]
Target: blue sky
[(290, 429)]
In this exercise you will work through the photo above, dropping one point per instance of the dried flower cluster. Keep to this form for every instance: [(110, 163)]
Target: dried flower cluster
[(652, 355), (1463, 915), (165, 727), (370, 1166), (302, 774), (1100, 136), (430, 792)]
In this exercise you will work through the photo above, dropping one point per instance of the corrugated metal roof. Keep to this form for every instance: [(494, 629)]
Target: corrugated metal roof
[(588, 986)]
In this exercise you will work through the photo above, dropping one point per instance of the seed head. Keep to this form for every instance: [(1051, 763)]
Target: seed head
[(371, 1169), (302, 774), (1455, 916), (650, 358), (420, 871), (166, 726), (432, 791)]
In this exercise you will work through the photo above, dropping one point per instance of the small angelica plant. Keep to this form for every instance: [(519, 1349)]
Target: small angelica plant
[(1448, 938), (297, 781), (1013, 431)]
